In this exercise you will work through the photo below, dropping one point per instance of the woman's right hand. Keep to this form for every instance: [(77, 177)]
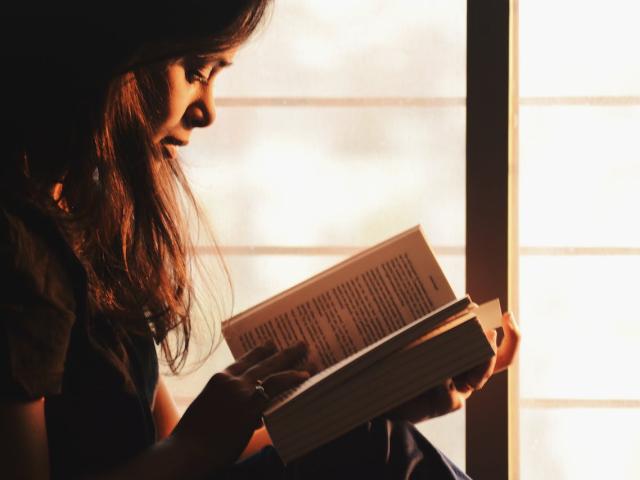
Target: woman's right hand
[(219, 423)]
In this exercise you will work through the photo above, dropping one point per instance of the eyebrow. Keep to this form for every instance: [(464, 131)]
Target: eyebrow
[(215, 59), (222, 63)]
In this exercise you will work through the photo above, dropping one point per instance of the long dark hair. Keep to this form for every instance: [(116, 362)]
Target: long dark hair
[(82, 94)]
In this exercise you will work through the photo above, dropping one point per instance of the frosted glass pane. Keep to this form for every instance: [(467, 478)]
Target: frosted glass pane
[(256, 278), (331, 176), (585, 444), (580, 329), (355, 48), (579, 176), (579, 47)]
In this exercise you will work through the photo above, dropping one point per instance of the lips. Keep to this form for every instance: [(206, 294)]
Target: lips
[(170, 146), (174, 141)]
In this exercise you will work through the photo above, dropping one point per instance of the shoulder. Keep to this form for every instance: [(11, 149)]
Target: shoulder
[(34, 259), (37, 304)]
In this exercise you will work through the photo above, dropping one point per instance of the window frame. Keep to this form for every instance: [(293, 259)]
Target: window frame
[(491, 258)]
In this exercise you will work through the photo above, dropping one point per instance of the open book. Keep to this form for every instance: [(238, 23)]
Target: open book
[(382, 326)]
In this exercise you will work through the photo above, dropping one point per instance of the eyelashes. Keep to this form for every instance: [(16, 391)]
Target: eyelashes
[(202, 70), (197, 70), (196, 75)]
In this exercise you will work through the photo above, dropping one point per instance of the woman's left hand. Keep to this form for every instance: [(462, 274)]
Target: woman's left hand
[(451, 394)]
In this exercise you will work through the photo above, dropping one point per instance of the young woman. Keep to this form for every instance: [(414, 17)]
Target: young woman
[(95, 267)]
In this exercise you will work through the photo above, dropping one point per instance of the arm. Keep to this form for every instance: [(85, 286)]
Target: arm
[(166, 417), (165, 411), (219, 423), (25, 453), (211, 434), (259, 440)]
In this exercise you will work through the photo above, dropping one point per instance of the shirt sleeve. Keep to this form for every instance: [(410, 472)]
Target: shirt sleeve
[(37, 312)]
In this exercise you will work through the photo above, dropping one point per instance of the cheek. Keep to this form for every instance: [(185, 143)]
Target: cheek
[(173, 112), (175, 104)]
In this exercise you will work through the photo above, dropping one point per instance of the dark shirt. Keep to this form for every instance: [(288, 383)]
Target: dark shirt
[(94, 420)]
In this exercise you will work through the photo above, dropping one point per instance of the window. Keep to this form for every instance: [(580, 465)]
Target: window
[(579, 174)]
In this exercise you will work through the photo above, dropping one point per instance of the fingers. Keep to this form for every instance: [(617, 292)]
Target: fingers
[(264, 373), (283, 360), (276, 384), (509, 346), (252, 357), (492, 336), (280, 382), (477, 377), (233, 401)]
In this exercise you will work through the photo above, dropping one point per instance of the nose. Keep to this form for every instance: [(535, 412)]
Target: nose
[(202, 112)]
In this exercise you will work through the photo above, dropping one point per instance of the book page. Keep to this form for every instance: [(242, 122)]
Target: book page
[(416, 332), (351, 305)]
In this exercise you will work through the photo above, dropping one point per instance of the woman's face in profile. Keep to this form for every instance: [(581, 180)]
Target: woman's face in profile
[(190, 101)]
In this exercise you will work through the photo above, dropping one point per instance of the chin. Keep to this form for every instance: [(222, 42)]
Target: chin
[(169, 152)]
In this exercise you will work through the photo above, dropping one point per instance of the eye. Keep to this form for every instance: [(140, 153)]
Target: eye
[(197, 75), (202, 69), (197, 70)]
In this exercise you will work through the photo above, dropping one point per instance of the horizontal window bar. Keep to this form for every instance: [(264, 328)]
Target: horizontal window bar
[(440, 250), (595, 101), (421, 102), (540, 403), (586, 251), (341, 102)]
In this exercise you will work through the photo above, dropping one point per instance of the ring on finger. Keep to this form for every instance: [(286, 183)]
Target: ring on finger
[(259, 389)]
